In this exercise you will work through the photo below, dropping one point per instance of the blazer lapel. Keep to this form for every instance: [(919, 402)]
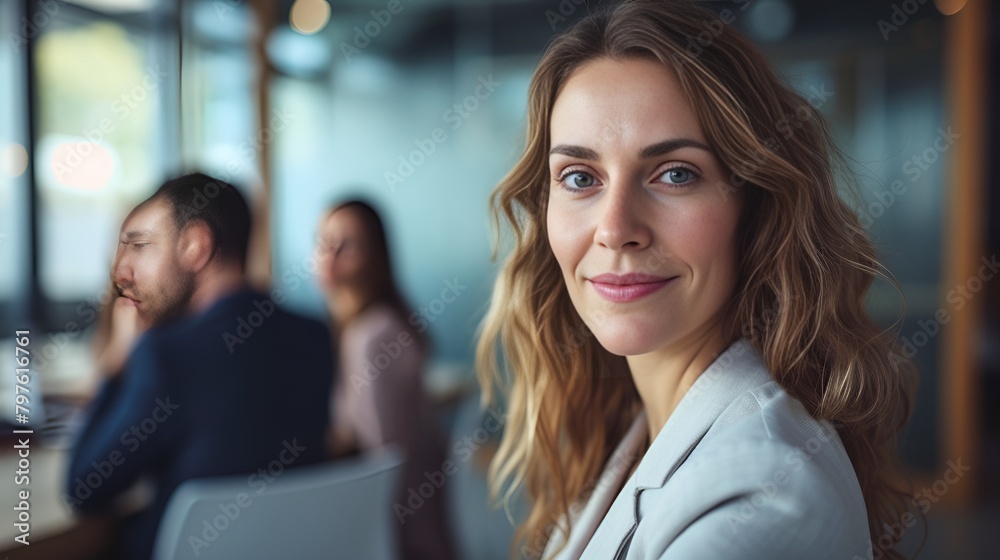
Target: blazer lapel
[(604, 492), (738, 369), (610, 516)]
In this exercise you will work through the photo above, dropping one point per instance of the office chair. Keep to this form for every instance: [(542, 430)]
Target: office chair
[(341, 509)]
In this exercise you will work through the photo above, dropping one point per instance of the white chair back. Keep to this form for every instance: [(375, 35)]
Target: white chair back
[(342, 509)]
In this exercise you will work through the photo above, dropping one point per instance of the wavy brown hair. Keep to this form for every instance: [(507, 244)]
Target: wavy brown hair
[(805, 268)]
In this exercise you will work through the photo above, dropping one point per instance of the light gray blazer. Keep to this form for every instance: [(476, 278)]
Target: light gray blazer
[(739, 471)]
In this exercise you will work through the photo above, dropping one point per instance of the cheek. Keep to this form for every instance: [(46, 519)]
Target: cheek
[(146, 268), (326, 268), (704, 236), (566, 238), (348, 266), (322, 271), (163, 270)]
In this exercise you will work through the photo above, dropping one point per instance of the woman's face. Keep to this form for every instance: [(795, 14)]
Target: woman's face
[(342, 244), (640, 216)]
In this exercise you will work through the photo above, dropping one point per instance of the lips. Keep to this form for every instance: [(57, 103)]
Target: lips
[(131, 299), (622, 288)]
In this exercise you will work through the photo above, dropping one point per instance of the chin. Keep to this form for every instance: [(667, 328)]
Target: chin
[(629, 339)]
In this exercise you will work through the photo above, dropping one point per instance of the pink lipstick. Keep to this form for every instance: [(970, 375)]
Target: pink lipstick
[(623, 288)]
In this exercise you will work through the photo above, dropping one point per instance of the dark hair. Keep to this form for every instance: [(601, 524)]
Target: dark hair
[(217, 204), (384, 282), (381, 282)]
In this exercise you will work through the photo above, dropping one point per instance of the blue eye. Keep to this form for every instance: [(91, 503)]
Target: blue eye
[(578, 180), (678, 176)]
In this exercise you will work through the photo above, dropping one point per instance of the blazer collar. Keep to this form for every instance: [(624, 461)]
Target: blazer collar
[(738, 369), (604, 493)]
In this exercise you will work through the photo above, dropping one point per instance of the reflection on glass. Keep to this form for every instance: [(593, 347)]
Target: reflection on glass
[(98, 107), (220, 94), (13, 161)]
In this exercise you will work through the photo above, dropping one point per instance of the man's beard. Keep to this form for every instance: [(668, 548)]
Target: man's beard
[(172, 302)]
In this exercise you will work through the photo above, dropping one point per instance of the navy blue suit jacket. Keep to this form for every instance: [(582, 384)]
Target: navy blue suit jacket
[(230, 390)]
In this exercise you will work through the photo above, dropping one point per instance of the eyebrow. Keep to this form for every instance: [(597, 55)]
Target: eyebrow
[(578, 152), (670, 145), (132, 234), (654, 150)]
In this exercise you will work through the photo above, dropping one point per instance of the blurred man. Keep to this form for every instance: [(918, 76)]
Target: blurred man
[(222, 382)]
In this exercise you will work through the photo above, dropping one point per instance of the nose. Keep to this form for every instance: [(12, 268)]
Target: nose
[(326, 258), (621, 221), (320, 251), (328, 254), (121, 269)]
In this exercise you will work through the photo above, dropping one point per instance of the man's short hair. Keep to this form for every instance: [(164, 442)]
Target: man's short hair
[(217, 204)]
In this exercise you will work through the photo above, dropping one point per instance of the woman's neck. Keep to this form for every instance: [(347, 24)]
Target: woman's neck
[(663, 377), (345, 304)]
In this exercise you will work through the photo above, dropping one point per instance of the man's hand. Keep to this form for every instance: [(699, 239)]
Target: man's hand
[(126, 327)]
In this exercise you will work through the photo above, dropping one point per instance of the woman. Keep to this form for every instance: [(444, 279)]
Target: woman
[(692, 370), (379, 396)]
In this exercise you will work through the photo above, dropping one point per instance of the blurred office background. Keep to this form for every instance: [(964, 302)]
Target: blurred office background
[(421, 109)]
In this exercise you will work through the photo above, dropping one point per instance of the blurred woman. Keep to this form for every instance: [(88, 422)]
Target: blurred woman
[(694, 371), (379, 396)]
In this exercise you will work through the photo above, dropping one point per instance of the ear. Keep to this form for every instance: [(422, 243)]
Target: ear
[(194, 247)]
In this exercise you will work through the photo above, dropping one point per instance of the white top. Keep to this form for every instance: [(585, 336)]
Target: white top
[(740, 470)]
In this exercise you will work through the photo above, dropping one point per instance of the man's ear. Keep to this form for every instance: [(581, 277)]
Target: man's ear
[(194, 248)]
